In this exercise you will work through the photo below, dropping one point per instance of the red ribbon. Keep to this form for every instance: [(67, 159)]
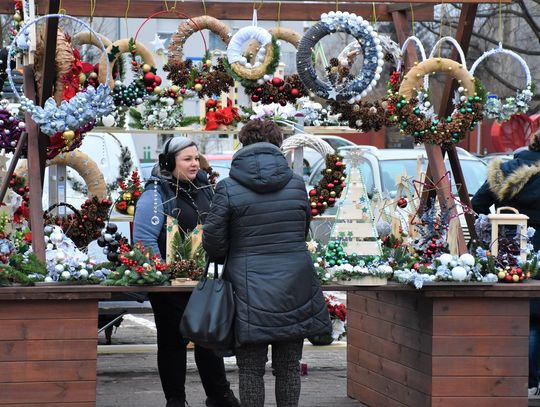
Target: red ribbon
[(224, 116)]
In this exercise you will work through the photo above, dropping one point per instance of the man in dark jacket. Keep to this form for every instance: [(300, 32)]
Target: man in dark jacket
[(516, 183), (258, 224)]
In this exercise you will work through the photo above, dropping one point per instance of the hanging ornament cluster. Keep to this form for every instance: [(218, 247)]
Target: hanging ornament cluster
[(11, 129), (111, 240), (335, 254), (143, 69), (348, 88), (84, 225), (278, 90), (16, 24), (129, 194), (330, 187), (202, 79)]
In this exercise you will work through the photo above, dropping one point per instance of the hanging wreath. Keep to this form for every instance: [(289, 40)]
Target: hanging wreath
[(347, 88), (412, 108), (130, 192), (278, 90), (279, 33), (330, 187), (503, 109), (81, 110), (190, 26), (266, 59)]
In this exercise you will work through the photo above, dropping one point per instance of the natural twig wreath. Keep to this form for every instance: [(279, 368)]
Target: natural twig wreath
[(266, 60), (351, 89), (503, 109), (81, 110), (192, 25), (85, 167)]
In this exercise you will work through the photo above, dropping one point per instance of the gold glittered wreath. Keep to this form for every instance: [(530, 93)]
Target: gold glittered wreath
[(410, 118), (191, 26), (85, 167)]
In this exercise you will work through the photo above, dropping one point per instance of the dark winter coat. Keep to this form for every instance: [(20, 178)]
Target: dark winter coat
[(514, 183), (259, 221)]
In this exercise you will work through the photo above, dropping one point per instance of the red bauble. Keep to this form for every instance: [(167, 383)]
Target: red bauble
[(314, 212), (258, 90), (158, 80), (149, 78), (402, 202), (277, 81), (211, 103), (255, 98), (281, 88), (313, 192), (283, 102), (295, 92)]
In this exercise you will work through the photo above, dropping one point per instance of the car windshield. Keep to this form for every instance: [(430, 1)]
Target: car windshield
[(474, 173)]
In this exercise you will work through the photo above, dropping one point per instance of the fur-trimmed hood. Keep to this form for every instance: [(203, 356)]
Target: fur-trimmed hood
[(507, 180)]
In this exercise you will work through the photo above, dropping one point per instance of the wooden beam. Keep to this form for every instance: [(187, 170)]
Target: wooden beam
[(291, 10), (463, 36)]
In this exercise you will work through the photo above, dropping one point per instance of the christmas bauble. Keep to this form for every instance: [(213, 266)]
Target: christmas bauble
[(131, 210), (149, 78), (402, 203)]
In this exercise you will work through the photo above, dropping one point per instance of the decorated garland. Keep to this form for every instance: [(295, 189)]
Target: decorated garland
[(347, 88), (278, 90), (266, 60), (204, 79), (503, 109), (83, 109), (330, 186)]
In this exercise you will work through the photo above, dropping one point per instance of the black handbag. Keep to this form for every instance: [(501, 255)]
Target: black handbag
[(208, 319)]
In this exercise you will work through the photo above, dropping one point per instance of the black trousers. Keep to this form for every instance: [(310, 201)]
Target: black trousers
[(172, 351)]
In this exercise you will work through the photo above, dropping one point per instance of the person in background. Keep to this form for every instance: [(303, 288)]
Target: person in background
[(257, 226), (178, 188), (516, 183)]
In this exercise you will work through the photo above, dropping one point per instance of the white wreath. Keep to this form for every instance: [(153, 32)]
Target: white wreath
[(245, 34)]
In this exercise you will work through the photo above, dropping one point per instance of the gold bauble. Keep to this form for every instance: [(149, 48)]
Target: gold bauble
[(208, 62), (198, 87), (68, 135), (93, 75), (313, 204), (157, 90), (328, 171), (17, 16), (146, 68), (332, 193), (126, 196), (175, 88), (179, 100), (131, 210), (82, 78)]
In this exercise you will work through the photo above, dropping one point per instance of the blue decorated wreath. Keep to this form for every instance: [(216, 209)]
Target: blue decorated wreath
[(350, 89), (79, 111)]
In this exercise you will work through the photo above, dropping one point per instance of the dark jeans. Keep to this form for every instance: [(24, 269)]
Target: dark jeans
[(172, 353), (534, 337), (251, 360)]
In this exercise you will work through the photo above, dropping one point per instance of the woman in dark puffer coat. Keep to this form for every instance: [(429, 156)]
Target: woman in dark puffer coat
[(257, 225)]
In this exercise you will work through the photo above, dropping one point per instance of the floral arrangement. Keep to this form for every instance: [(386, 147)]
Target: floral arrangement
[(278, 90), (189, 258), (330, 186), (129, 194), (199, 79), (138, 266), (218, 116), (338, 316), (65, 262), (273, 111)]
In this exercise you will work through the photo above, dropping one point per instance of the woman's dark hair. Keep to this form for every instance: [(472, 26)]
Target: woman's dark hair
[(257, 131), (534, 144)]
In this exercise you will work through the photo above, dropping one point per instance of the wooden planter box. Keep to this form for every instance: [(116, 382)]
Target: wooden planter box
[(439, 347)]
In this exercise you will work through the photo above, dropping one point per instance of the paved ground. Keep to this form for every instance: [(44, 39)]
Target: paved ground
[(127, 372)]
